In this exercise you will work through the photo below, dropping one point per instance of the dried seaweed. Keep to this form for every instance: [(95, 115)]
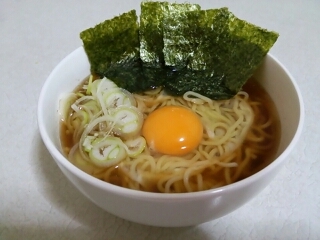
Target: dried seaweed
[(179, 47), (213, 52), (135, 77), (151, 28), (112, 42)]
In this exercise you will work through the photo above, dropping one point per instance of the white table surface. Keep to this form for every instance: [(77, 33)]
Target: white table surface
[(37, 201)]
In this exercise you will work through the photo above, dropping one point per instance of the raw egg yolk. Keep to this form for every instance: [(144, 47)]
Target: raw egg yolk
[(172, 130)]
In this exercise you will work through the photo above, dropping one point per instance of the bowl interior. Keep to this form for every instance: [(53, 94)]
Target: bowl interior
[(75, 67), (287, 98), (68, 74)]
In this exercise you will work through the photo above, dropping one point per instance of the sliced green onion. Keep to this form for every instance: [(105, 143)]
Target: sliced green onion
[(101, 85), (65, 102), (109, 110), (135, 146), (128, 121), (76, 105), (107, 84), (107, 151), (85, 117), (116, 97), (92, 106), (89, 85), (94, 87), (87, 143)]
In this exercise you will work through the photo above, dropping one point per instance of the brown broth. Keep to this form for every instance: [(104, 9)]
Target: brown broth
[(256, 92)]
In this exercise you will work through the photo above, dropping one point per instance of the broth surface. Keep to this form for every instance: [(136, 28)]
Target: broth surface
[(262, 112)]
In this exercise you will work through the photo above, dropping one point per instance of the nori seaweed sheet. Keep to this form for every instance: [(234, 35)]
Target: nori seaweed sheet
[(135, 77), (247, 45), (179, 47), (151, 28), (213, 52), (151, 34), (113, 49)]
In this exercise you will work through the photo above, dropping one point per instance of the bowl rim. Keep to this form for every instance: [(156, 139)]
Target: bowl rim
[(152, 195)]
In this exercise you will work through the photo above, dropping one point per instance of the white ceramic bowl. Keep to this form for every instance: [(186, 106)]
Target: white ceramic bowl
[(169, 210)]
